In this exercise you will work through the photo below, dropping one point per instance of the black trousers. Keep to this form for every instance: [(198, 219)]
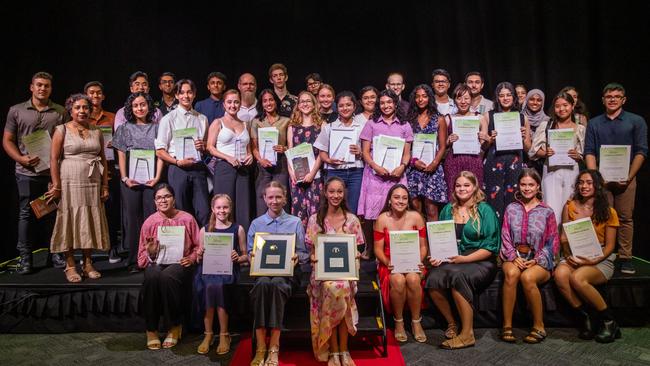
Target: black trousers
[(191, 188), (137, 205), (32, 233), (163, 294), (235, 183), (269, 295), (113, 205)]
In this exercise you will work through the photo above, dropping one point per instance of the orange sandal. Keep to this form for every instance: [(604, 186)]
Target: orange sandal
[(72, 275)]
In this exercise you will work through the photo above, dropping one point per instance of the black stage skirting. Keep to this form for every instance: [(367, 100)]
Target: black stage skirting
[(44, 302)]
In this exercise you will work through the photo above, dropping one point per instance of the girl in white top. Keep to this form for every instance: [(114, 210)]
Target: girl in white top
[(228, 141)]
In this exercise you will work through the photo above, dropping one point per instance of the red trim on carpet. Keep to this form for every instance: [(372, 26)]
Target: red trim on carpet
[(364, 351)]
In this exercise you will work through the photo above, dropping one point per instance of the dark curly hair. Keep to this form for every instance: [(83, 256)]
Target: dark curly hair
[(414, 111), (601, 205), (398, 112), (75, 97), (128, 107)]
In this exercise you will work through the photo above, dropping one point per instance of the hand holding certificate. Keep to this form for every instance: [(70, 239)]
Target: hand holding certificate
[(614, 162), (508, 127), (268, 137), (107, 134), (217, 256), (582, 238), (442, 240), (561, 141), (466, 128), (302, 160), (336, 257), (272, 254), (39, 143), (387, 151), (142, 165), (425, 146), (405, 251), (340, 140), (172, 244), (184, 144)]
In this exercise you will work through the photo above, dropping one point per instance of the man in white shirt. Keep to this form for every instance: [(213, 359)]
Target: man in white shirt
[(186, 174), (247, 86), (475, 82), (441, 80)]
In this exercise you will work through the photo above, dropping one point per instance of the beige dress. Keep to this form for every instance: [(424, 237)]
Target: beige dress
[(80, 219)]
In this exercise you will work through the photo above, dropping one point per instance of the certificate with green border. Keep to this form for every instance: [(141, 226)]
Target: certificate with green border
[(336, 254), (272, 253)]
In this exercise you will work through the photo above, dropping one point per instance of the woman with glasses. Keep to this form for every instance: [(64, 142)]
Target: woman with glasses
[(166, 278)]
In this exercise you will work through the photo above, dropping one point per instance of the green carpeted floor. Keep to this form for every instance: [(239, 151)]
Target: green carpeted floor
[(562, 347)]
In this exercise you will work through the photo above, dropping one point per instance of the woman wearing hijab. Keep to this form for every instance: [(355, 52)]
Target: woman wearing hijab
[(533, 109)]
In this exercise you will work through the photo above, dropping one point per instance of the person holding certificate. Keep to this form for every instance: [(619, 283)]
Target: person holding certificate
[(425, 175), (304, 127), (269, 295), (228, 141), (505, 154), (529, 243), (474, 268), (398, 289), (377, 180), (80, 180), (625, 133), (268, 116), (576, 277), (338, 143), (333, 311), (209, 286), (180, 143), (169, 245), (559, 143), (137, 136), (463, 140)]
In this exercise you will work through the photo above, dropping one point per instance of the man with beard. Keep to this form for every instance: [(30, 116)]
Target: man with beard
[(475, 82), (247, 86)]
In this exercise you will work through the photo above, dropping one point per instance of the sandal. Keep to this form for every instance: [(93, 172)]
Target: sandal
[(153, 342), (507, 335), (333, 359), (173, 337), (420, 338), (204, 347), (347, 359), (452, 331), (92, 273), (401, 337), (72, 275), (269, 362), (224, 347), (260, 355), (535, 336), (457, 343)]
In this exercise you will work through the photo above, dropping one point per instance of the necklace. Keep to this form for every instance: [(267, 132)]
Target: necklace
[(80, 129)]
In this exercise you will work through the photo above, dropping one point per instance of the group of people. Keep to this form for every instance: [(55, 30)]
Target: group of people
[(506, 204)]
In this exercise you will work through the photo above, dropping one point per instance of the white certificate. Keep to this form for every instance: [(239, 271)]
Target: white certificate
[(405, 251), (340, 140), (301, 159), (268, 137), (142, 165), (442, 240), (425, 146), (508, 127), (561, 141), (614, 162), (184, 144), (107, 134), (467, 129), (387, 151), (582, 238), (172, 244), (217, 255), (39, 143)]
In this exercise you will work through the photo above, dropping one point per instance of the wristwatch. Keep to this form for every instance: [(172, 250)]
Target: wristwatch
[(124, 179)]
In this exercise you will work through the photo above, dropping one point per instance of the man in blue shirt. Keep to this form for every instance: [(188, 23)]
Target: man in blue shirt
[(212, 106), (270, 294), (619, 127)]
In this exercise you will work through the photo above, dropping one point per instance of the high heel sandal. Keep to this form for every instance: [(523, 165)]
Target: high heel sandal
[(221, 349), (269, 362), (420, 338), (401, 337), (204, 347), (72, 275), (92, 274), (346, 359), (173, 336), (334, 358), (153, 342), (260, 356)]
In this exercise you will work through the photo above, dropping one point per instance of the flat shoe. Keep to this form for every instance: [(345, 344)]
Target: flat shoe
[(507, 335), (260, 355), (535, 336), (173, 337), (457, 343), (221, 348), (153, 343), (204, 347), (452, 331), (72, 275)]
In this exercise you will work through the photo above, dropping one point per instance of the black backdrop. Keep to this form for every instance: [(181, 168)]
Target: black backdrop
[(544, 44)]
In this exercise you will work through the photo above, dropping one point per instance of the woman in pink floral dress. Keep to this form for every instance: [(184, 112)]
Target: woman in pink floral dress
[(333, 311)]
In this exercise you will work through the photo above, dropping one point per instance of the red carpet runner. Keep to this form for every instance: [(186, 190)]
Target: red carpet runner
[(363, 354)]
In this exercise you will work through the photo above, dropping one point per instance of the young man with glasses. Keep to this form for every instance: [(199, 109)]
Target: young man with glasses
[(313, 82), (619, 127), (138, 82), (441, 80), (168, 100)]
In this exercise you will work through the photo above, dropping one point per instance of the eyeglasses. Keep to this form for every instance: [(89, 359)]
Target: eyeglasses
[(163, 198), (613, 97)]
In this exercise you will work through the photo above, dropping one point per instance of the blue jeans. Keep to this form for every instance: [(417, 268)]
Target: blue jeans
[(352, 178)]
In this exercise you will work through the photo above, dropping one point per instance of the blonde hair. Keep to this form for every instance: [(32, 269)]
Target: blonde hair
[(275, 184), (477, 197), (296, 115), (213, 218)]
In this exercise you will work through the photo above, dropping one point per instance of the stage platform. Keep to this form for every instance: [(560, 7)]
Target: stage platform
[(44, 302)]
